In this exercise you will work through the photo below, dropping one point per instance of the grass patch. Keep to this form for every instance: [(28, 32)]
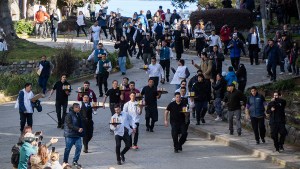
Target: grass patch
[(25, 50)]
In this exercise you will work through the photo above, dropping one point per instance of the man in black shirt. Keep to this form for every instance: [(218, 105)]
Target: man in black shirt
[(114, 95), (177, 121), (63, 89), (45, 70), (151, 96)]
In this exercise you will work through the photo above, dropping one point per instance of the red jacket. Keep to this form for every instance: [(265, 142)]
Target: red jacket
[(225, 33), (40, 16)]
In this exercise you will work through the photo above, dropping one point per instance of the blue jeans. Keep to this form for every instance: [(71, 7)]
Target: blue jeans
[(122, 63), (218, 106), (95, 44), (54, 34), (43, 83), (70, 141)]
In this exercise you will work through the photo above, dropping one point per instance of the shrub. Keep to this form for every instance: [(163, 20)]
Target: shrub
[(24, 27), (65, 61), (240, 18)]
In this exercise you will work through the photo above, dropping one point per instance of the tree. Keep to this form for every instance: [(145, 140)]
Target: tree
[(5, 19), (181, 3), (52, 5)]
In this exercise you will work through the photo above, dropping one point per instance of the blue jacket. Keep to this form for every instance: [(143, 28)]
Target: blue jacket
[(235, 50), (25, 152), (101, 22), (230, 77), (72, 124), (255, 104), (144, 20), (273, 54)]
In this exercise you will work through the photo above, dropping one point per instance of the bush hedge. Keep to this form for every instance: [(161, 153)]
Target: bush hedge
[(24, 27), (240, 18)]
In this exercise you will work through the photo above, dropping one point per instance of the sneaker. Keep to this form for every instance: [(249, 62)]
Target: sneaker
[(122, 157), (239, 133), (62, 126), (119, 163), (281, 73), (147, 129), (257, 142), (198, 123), (218, 119), (263, 140), (281, 148), (101, 95), (58, 126), (176, 151), (202, 121), (135, 147), (231, 133), (151, 130)]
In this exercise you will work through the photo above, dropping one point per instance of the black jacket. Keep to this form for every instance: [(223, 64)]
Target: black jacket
[(202, 91), (123, 47), (278, 115), (219, 88), (233, 100), (146, 47), (73, 122), (192, 81)]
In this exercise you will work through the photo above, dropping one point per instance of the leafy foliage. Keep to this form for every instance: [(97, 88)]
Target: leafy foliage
[(65, 61), (24, 27), (240, 18), (181, 3)]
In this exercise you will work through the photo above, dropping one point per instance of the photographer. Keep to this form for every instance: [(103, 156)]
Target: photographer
[(28, 148)]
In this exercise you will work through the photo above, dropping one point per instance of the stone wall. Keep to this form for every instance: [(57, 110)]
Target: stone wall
[(24, 67)]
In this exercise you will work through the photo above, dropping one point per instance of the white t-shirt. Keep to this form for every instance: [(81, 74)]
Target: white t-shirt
[(96, 32)]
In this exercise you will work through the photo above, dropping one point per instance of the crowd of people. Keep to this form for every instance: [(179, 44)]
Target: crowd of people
[(155, 36)]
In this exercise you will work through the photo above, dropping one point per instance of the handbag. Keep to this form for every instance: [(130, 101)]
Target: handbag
[(37, 105)]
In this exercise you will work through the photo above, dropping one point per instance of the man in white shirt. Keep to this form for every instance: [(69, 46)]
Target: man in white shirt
[(133, 108), (253, 45), (214, 40), (95, 34), (121, 122), (155, 71), (168, 17)]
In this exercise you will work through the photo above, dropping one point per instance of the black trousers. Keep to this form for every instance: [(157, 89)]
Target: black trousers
[(25, 117), (273, 72), (102, 80), (82, 28), (253, 53), (186, 42), (61, 118), (165, 64), (89, 130), (176, 129), (225, 46), (126, 139), (140, 52), (278, 129), (155, 79), (103, 28), (119, 32), (235, 62), (112, 33), (259, 128), (178, 55), (149, 125), (112, 108), (136, 134), (242, 86)]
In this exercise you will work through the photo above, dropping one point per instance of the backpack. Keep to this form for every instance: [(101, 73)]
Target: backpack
[(15, 156)]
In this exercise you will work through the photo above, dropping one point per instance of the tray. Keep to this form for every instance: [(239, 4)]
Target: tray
[(144, 69), (140, 105), (162, 92), (96, 107), (139, 97), (115, 123), (82, 92), (184, 112)]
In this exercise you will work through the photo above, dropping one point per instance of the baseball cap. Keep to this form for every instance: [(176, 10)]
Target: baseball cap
[(29, 137)]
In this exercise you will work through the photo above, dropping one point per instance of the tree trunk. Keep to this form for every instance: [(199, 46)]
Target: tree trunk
[(298, 8), (52, 5), (263, 12), (30, 10), (5, 19)]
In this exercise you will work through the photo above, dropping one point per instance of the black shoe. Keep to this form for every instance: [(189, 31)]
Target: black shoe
[(263, 140), (202, 121), (58, 126), (122, 157), (176, 151), (85, 151), (168, 79), (180, 148), (198, 123), (257, 142), (231, 133), (193, 114), (147, 129), (75, 163), (119, 163), (123, 73), (281, 148), (101, 95), (277, 149), (239, 133), (151, 130), (62, 126)]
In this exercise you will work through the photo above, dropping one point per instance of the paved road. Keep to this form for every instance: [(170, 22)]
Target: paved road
[(156, 148)]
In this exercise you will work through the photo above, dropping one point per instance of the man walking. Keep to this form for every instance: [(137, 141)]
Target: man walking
[(148, 44), (277, 122), (155, 72), (87, 121), (44, 73), (102, 71), (273, 55), (122, 131), (235, 46), (87, 91), (114, 95), (40, 16), (137, 38), (253, 45), (255, 111), (233, 99), (165, 59), (151, 96), (177, 121), (73, 133), (63, 89)]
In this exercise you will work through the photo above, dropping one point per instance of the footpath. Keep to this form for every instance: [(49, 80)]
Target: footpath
[(218, 131)]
